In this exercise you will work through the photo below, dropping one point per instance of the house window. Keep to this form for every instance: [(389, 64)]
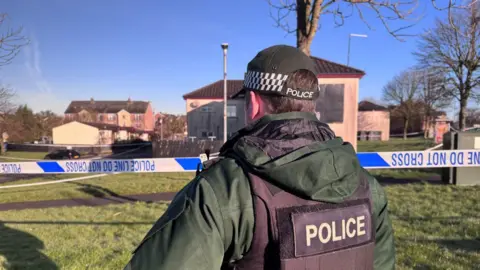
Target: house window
[(100, 117), (206, 134), (138, 117), (111, 117), (207, 109), (231, 111)]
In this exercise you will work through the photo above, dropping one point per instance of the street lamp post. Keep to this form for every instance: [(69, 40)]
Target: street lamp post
[(161, 129), (349, 38), (224, 47)]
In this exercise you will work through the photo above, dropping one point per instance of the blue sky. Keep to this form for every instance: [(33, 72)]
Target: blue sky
[(159, 50)]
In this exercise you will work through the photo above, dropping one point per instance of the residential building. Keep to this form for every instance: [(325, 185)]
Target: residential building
[(373, 120), (95, 133), (418, 122), (336, 105), (128, 113)]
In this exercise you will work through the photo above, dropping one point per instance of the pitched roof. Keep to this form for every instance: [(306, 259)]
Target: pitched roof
[(215, 90), (365, 105), (107, 106), (113, 127), (103, 126), (324, 67)]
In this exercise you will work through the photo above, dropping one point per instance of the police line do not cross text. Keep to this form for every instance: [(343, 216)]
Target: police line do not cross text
[(110, 166), (425, 159), (372, 160)]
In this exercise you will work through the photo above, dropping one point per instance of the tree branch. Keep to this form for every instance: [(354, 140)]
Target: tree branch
[(10, 42), (309, 13)]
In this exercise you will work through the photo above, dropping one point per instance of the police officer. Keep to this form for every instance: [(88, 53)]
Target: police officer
[(285, 192)]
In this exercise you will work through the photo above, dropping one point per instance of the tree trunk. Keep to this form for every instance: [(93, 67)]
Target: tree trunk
[(428, 123), (303, 42), (308, 15), (426, 126), (405, 128), (462, 113)]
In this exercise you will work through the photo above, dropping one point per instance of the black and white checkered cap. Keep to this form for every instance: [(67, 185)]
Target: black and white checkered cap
[(264, 81), (268, 71)]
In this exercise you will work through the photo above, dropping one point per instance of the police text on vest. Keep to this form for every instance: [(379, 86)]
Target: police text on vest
[(331, 228), (336, 231)]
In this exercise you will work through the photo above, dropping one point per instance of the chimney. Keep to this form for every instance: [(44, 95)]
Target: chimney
[(92, 101)]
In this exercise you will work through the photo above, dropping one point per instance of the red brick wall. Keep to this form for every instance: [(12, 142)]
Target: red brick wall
[(375, 121), (146, 121), (136, 122), (148, 118), (104, 117)]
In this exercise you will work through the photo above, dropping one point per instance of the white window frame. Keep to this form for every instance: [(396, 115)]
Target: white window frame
[(231, 110), (207, 109)]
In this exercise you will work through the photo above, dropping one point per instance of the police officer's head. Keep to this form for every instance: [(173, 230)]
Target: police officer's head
[(279, 79)]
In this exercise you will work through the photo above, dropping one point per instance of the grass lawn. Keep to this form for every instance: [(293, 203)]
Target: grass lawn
[(129, 183), (395, 144), (436, 227), (406, 173), (26, 155), (74, 238), (122, 184)]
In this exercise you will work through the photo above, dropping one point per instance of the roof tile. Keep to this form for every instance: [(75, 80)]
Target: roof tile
[(328, 67), (365, 105), (107, 106), (215, 90), (112, 127)]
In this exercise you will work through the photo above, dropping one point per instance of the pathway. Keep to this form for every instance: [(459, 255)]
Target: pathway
[(98, 201)]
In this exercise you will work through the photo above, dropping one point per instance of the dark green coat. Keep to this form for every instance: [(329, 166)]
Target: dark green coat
[(211, 220)]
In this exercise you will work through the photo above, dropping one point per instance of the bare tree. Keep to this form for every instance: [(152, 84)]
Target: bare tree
[(374, 100), (11, 41), (432, 96), (47, 120), (170, 125), (453, 50), (6, 100), (472, 117), (402, 92), (103, 137), (309, 13)]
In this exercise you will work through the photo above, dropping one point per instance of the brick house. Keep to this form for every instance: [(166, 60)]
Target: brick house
[(94, 133), (336, 105), (128, 113), (418, 122), (373, 118)]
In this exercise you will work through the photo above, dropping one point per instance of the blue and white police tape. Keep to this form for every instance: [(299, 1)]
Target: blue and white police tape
[(379, 160)]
